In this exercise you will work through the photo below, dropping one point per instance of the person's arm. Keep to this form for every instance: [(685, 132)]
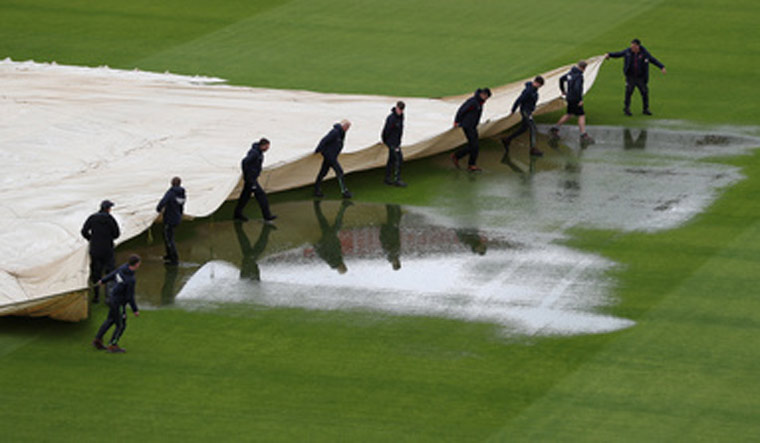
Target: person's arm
[(462, 111), (519, 100), (162, 203), (655, 62), (131, 299), (87, 229), (617, 54), (109, 277), (579, 85), (115, 232), (563, 85), (386, 130), (331, 137)]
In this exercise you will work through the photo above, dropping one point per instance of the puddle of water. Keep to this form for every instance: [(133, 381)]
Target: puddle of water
[(485, 251)]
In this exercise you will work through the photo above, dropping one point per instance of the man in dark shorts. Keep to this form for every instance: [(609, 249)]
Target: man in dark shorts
[(122, 293), (636, 70), (251, 166), (467, 118), (172, 205), (571, 85), (101, 229), (330, 147), (527, 104)]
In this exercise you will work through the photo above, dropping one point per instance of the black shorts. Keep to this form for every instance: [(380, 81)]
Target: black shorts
[(573, 108)]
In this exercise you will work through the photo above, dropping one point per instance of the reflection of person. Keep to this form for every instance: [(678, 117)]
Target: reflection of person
[(251, 166), (173, 205), (571, 85), (473, 239), (630, 143), (330, 146), (249, 268), (170, 280), (527, 104), (101, 229), (391, 137), (122, 293), (467, 118), (636, 70), (390, 235), (328, 248)]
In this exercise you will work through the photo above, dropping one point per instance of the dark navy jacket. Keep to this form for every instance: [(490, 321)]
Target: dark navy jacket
[(251, 163), (393, 129), (332, 143), (571, 84), (468, 115), (123, 292), (527, 100), (101, 229), (173, 205), (644, 58)]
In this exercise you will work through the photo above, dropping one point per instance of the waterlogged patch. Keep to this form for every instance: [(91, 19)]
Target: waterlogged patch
[(550, 290)]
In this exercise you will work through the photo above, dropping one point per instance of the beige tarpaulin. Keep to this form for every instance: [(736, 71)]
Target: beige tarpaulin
[(73, 136)]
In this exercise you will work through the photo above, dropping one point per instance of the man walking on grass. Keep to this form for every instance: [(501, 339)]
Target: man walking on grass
[(122, 293), (636, 70), (251, 166), (101, 229), (391, 137), (527, 104), (467, 118), (571, 85), (330, 147), (173, 205)]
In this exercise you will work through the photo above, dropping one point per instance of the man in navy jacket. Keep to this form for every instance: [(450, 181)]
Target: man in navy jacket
[(527, 104), (122, 293), (571, 86), (173, 204), (636, 70), (467, 118), (330, 146), (101, 229), (251, 165), (391, 137)]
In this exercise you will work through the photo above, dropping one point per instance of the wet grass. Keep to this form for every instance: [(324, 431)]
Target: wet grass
[(685, 372)]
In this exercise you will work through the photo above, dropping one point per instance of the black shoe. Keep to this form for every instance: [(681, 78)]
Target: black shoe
[(399, 184), (586, 139), (170, 262), (237, 217), (388, 182), (270, 218), (318, 193), (505, 142), (627, 112), (347, 194), (536, 153), (647, 112)]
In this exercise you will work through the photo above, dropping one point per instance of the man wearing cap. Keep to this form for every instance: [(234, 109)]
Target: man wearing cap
[(172, 204), (391, 137), (251, 166), (101, 229), (636, 70), (122, 294), (467, 118), (330, 146)]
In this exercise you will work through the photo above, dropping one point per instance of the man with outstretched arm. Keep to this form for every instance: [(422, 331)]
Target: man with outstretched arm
[(122, 293), (527, 104), (467, 118), (571, 85), (251, 165), (101, 229), (329, 147), (636, 71), (391, 137), (173, 205)]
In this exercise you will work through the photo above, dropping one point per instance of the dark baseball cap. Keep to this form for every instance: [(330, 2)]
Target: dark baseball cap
[(105, 204)]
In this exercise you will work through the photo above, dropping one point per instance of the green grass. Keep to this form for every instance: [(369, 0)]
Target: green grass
[(686, 371)]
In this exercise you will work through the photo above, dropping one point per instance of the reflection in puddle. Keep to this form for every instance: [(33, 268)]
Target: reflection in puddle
[(486, 249)]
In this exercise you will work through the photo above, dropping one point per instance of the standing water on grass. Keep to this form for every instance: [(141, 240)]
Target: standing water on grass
[(488, 248)]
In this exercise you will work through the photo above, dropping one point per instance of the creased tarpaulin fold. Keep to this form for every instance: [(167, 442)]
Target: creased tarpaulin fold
[(73, 136)]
